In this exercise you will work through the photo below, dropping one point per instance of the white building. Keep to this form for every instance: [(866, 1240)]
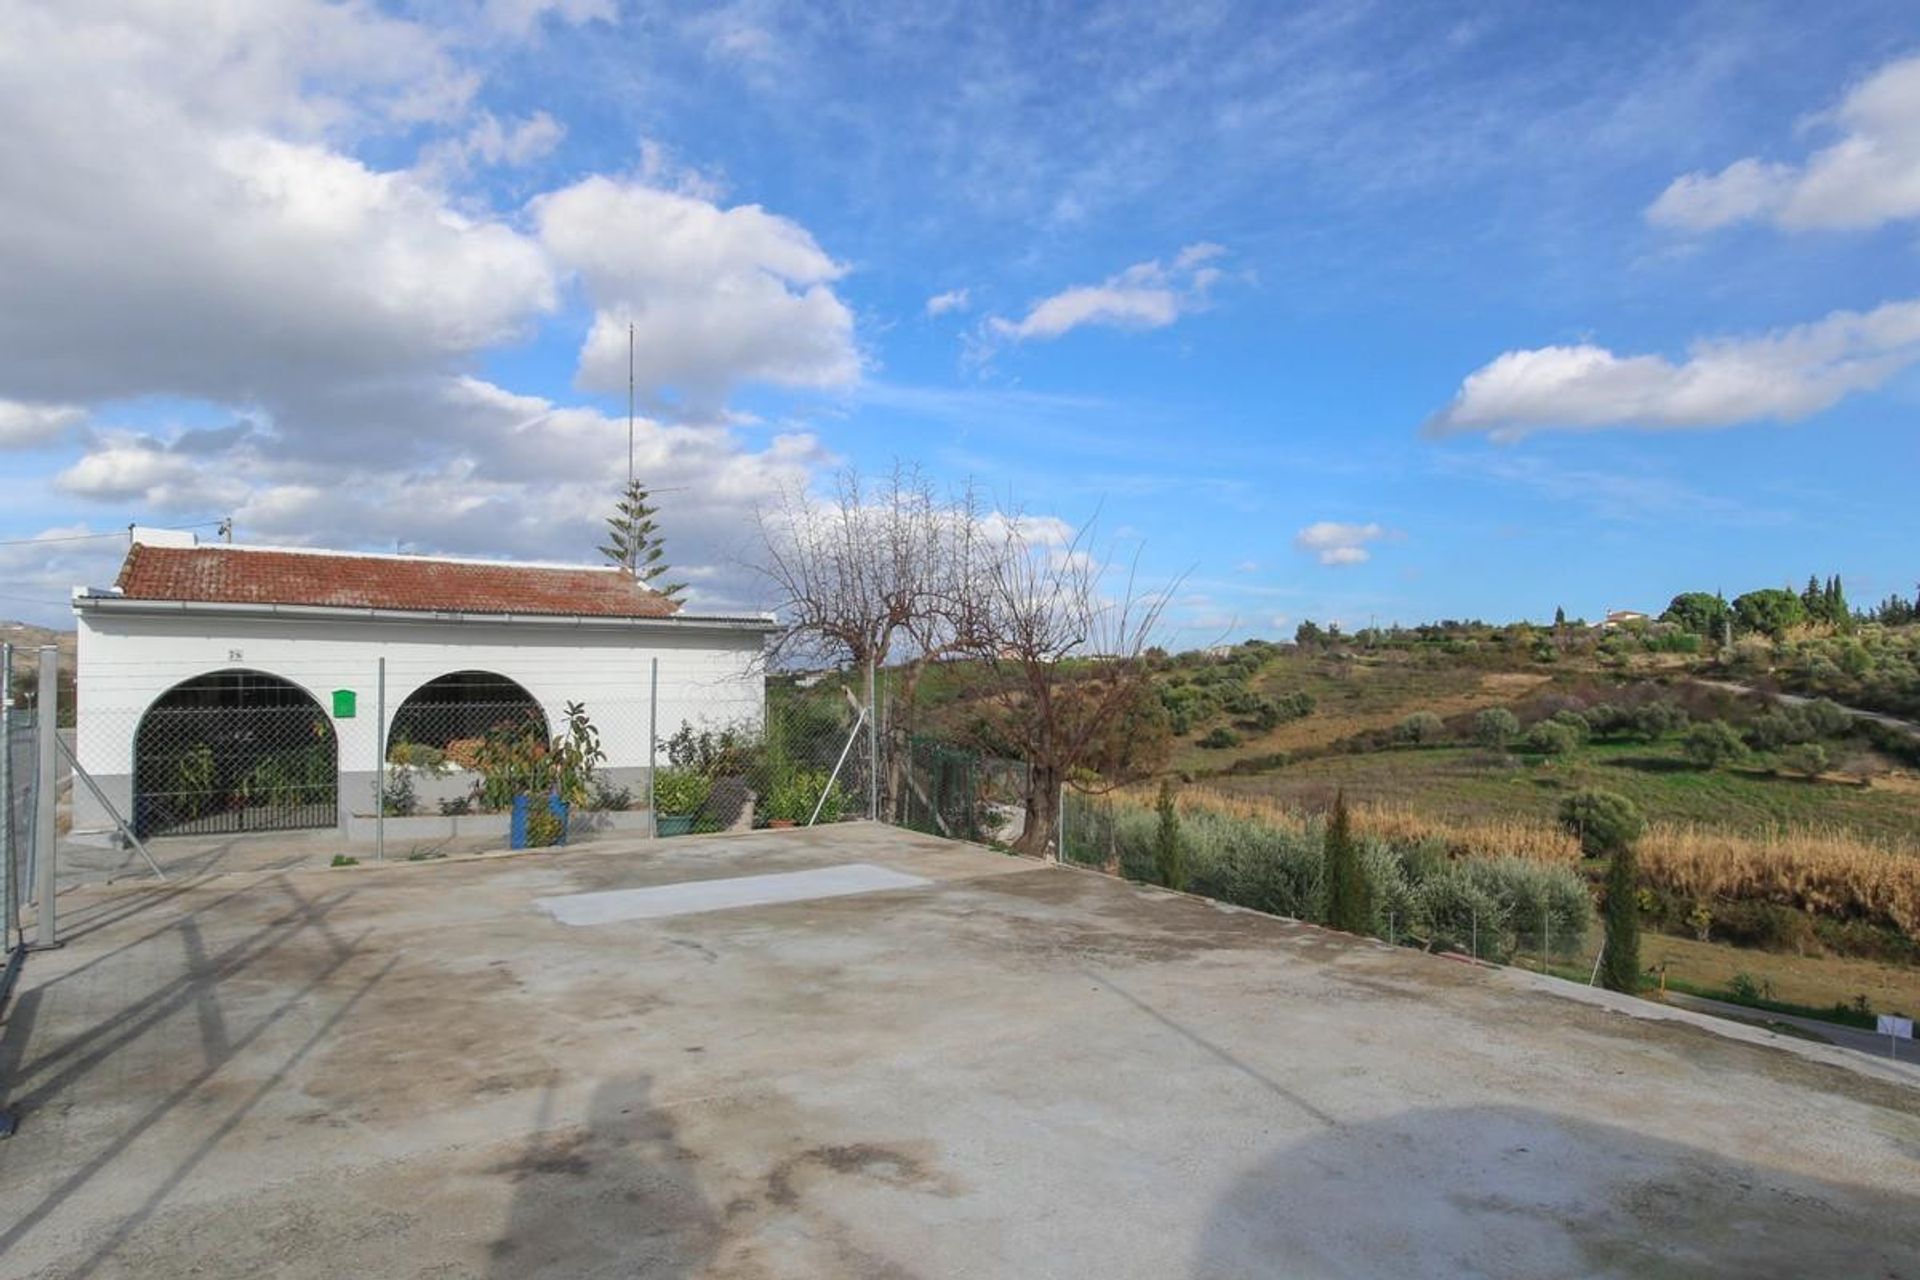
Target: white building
[(226, 688)]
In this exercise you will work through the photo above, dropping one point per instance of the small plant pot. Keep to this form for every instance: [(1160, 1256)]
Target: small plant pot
[(672, 824), (518, 827), (781, 824)]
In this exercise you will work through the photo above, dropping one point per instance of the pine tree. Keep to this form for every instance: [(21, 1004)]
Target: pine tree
[(634, 542), (1811, 597), (1349, 904)]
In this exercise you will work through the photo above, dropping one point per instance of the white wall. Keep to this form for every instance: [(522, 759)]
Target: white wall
[(126, 660)]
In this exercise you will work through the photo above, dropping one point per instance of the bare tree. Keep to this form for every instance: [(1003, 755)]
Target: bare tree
[(1077, 702), (881, 573), (894, 573)]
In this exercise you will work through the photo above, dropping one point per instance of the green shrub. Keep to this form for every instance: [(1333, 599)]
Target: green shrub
[(1809, 758), (1168, 856), (680, 790), (1713, 743), (1420, 728), (1495, 727), (1575, 723), (1455, 911), (1620, 958), (793, 797), (1604, 822), (397, 798), (1549, 738), (1349, 903), (1220, 738)]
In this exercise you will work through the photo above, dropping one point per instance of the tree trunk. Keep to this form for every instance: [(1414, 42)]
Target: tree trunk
[(899, 731), (1042, 827)]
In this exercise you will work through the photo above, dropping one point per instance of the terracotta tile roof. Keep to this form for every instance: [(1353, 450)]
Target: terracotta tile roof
[(237, 575)]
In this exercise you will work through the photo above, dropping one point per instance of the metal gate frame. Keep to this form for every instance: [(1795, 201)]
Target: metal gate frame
[(223, 769)]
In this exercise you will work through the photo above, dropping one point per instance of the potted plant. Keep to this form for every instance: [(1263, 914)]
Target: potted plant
[(792, 799), (519, 767), (783, 805), (678, 796)]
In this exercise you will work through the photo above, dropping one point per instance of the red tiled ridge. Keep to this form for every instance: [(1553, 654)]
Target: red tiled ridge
[(235, 575)]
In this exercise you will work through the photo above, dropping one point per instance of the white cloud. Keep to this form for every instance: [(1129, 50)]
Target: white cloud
[(1147, 295), (1782, 376), (24, 426), (490, 142), (510, 474), (716, 296), (1869, 177), (172, 192), (1334, 543), (952, 300), (188, 219)]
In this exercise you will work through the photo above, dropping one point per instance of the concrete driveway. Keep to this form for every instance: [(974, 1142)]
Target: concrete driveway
[(959, 1065)]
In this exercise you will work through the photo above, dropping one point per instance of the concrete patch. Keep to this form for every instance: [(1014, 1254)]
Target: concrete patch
[(688, 897)]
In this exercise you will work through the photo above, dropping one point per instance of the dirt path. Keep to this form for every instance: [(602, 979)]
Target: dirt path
[(1801, 700)]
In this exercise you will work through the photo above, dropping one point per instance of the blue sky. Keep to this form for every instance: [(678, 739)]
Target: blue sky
[(1338, 311)]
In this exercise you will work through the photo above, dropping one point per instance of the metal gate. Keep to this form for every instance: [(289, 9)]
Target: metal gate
[(234, 751)]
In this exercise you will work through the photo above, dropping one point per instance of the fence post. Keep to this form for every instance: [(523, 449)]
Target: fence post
[(12, 918), (380, 763), (1546, 939), (653, 739), (1475, 917), (1060, 828), (46, 722), (873, 745), (8, 799)]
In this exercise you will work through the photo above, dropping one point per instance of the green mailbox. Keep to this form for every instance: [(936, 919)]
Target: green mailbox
[(343, 702)]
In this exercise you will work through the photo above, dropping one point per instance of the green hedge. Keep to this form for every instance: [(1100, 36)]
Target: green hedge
[(1495, 906)]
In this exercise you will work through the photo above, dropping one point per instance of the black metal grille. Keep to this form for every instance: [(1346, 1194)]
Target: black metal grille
[(448, 717), (234, 751)]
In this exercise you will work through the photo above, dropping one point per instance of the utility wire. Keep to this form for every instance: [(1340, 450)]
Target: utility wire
[(89, 537)]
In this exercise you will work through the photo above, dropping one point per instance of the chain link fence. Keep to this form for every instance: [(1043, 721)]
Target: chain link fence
[(19, 796)]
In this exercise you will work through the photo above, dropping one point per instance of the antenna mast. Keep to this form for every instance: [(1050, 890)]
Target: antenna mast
[(633, 551), (629, 404)]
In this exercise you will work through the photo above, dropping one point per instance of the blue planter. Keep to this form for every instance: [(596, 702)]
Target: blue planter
[(672, 824), (517, 831)]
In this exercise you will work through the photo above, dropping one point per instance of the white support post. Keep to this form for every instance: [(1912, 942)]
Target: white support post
[(46, 720), (873, 747), (7, 798), (380, 763), (653, 742)]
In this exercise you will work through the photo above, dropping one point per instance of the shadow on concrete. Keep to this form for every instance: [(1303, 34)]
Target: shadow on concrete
[(56, 1069), (1512, 1191), (614, 1196)]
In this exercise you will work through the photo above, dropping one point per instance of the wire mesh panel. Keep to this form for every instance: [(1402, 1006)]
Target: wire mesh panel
[(234, 751), (809, 762), (16, 817), (454, 714), (951, 791)]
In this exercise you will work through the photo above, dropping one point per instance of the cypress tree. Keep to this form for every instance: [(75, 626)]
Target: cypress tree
[(1620, 967), (634, 542), (1349, 905), (1811, 597), (1169, 857)]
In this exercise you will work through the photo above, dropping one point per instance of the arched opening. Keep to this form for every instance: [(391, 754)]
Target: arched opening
[(234, 751), (445, 720)]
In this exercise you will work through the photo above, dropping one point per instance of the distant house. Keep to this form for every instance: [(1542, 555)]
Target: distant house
[(1617, 618), (230, 688)]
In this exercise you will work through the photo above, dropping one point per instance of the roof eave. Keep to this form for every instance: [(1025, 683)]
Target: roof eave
[(116, 604)]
